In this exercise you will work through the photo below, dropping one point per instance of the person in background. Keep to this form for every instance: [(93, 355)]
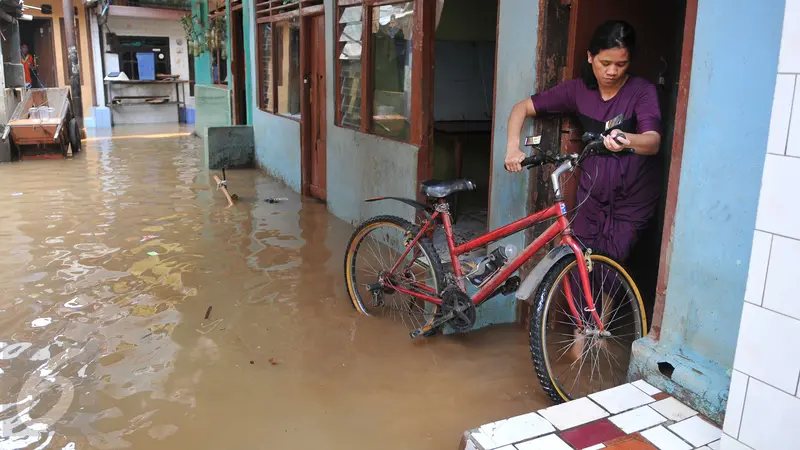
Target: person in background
[(28, 61)]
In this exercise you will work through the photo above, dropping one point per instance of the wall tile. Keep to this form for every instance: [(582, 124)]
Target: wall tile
[(765, 348), (789, 60), (781, 112), (793, 136), (735, 406), (770, 418), (758, 267), (779, 207), (780, 293)]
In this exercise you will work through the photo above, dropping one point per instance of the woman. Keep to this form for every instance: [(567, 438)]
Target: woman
[(618, 193)]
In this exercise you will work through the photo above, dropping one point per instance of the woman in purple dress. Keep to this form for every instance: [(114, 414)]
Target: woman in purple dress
[(618, 193)]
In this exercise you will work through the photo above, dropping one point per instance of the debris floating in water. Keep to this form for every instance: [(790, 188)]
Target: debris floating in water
[(41, 322), (16, 194), (208, 313), (152, 253), (148, 237), (273, 362), (252, 362), (275, 200)]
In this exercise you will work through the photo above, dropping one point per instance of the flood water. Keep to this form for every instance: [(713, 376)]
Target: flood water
[(109, 264)]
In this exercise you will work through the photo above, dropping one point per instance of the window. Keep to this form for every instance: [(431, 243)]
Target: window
[(288, 80), (129, 46), (351, 22), (280, 77), (219, 47), (265, 67), (391, 65), (374, 66)]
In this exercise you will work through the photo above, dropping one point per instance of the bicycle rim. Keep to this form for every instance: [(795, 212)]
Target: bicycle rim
[(582, 362), (374, 250)]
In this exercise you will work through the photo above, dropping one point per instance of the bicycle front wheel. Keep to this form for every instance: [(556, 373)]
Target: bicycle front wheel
[(374, 249), (573, 361)]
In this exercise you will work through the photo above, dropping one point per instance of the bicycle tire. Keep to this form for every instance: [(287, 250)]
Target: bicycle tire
[(542, 298), (355, 242)]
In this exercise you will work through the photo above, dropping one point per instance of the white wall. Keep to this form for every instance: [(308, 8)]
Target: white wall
[(763, 410), (179, 64)]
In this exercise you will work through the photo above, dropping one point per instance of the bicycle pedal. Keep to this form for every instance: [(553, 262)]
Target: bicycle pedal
[(432, 326)]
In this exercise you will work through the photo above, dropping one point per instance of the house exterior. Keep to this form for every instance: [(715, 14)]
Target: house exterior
[(331, 122)]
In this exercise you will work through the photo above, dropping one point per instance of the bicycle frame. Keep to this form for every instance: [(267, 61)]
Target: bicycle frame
[(560, 227)]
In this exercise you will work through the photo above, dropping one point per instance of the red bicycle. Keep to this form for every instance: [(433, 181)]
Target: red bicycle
[(586, 313)]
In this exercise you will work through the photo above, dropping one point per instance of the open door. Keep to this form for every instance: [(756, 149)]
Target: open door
[(238, 71), (38, 34), (314, 123)]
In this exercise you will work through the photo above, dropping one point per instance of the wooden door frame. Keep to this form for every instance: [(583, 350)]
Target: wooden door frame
[(306, 53), (54, 68), (237, 76)]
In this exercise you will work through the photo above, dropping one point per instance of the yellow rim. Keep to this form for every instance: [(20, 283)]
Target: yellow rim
[(614, 264), (349, 267)]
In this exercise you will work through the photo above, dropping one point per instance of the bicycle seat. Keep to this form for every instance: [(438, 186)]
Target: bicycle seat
[(441, 189)]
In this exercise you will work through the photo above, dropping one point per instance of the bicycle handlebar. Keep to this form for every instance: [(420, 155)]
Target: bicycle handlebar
[(594, 145)]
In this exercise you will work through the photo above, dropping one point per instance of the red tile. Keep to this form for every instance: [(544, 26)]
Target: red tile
[(633, 441), (660, 396), (592, 434)]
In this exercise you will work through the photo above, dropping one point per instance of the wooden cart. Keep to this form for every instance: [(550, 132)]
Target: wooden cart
[(41, 137)]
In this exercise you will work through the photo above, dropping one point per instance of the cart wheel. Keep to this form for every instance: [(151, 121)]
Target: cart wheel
[(16, 152), (74, 135)]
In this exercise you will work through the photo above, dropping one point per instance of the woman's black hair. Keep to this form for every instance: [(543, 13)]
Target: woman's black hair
[(610, 34)]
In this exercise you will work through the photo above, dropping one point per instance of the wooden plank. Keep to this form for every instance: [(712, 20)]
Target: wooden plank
[(687, 53)]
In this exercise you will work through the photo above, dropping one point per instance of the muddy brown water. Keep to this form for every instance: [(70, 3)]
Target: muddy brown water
[(109, 263)]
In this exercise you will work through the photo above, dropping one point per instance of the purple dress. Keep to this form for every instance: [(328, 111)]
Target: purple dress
[(619, 192)]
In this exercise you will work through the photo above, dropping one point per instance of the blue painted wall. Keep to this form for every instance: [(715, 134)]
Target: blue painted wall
[(732, 86), (516, 79), (277, 138)]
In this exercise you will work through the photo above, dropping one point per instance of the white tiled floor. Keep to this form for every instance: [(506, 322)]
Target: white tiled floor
[(673, 409), (621, 398), (757, 275), (595, 447), (638, 419), (780, 292), (781, 111), (696, 431), (574, 413), (646, 387), (778, 210), (770, 417), (714, 445), (729, 443), (549, 442), (664, 439), (516, 429)]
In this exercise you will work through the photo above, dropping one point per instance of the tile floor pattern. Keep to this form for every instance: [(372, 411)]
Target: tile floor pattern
[(634, 416)]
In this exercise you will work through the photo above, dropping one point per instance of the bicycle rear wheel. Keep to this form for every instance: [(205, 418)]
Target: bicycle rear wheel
[(373, 250), (571, 362)]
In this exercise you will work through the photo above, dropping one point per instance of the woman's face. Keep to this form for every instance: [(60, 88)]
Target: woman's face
[(610, 66)]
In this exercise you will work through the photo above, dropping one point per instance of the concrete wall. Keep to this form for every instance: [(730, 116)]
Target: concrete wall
[(179, 64), (726, 132), (516, 79), (763, 407)]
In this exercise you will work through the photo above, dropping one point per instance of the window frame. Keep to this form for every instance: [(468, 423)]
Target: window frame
[(422, 56), (274, 12)]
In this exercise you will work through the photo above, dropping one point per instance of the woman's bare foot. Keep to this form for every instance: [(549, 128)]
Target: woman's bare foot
[(576, 350)]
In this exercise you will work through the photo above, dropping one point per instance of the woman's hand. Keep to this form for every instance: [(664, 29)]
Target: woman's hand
[(612, 144), (514, 157)]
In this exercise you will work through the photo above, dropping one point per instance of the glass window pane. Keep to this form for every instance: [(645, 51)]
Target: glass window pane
[(288, 78), (265, 67), (392, 27), (349, 45)]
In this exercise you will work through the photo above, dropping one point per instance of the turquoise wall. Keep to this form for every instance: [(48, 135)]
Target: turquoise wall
[(730, 103)]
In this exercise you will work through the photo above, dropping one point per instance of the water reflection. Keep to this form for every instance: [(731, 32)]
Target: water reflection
[(138, 312)]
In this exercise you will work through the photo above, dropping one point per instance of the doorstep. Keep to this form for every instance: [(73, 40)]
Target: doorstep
[(633, 416)]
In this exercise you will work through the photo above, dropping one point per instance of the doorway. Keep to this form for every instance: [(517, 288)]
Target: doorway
[(565, 32), (239, 72), (465, 44), (38, 34), (314, 122)]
